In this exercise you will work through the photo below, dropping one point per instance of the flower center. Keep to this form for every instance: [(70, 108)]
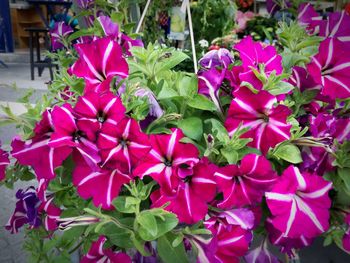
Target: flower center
[(77, 135), (168, 163), (101, 117), (123, 142)]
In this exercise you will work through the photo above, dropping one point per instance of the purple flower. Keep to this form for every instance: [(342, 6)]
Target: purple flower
[(111, 29), (261, 254), (60, 31), (337, 25), (26, 211), (154, 108), (309, 18), (84, 4), (217, 57)]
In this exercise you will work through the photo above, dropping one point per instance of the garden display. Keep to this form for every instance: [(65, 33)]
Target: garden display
[(130, 160)]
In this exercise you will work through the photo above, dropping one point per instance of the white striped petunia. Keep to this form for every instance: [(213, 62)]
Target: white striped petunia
[(28, 152), (266, 121), (101, 185), (122, 145), (245, 184), (195, 191), (330, 68), (337, 25), (299, 204), (169, 161), (94, 109), (99, 62), (99, 254)]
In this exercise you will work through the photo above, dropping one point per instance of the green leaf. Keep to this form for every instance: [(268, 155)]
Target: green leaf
[(230, 155), (288, 152), (167, 93), (148, 226), (168, 253), (176, 57), (201, 102), (192, 127), (188, 86), (126, 204), (344, 174), (281, 88)]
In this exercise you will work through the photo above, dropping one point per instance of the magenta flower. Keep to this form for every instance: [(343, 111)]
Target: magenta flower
[(26, 211), (285, 243), (60, 31), (4, 162), (309, 18), (93, 110), (299, 204), (301, 79), (99, 62), (51, 214), (221, 57), (27, 152), (102, 185), (194, 192), (99, 254), (123, 145), (231, 240), (111, 29), (261, 254), (169, 161), (337, 26), (245, 184), (68, 134), (330, 68), (267, 122), (254, 54)]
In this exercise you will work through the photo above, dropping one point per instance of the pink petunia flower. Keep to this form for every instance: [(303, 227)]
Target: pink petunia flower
[(309, 18), (68, 134), (299, 204), (337, 26), (60, 31), (27, 152), (51, 214), (330, 68), (93, 110), (194, 192), (123, 145), (261, 254), (242, 19), (101, 185), (286, 244), (169, 161), (266, 121), (254, 54), (111, 29), (99, 62), (245, 184), (230, 241), (97, 253), (4, 162)]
